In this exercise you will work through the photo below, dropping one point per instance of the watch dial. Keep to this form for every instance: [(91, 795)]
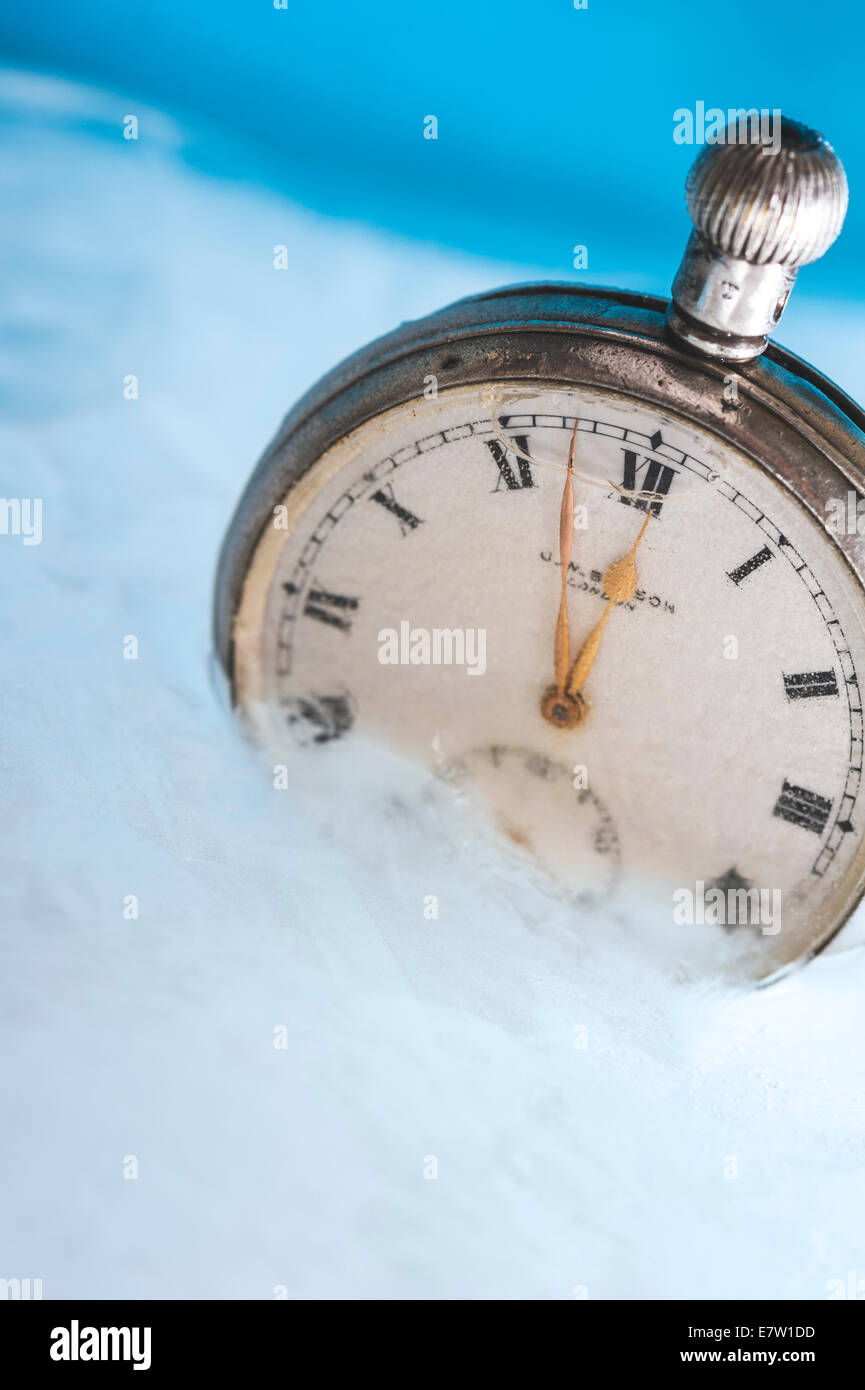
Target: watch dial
[(406, 594)]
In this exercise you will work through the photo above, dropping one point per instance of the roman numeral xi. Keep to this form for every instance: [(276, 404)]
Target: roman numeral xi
[(514, 471)]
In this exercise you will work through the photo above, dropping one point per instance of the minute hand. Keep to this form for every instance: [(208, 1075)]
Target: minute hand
[(620, 584)]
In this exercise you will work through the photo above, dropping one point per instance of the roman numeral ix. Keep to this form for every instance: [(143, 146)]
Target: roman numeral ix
[(332, 609)]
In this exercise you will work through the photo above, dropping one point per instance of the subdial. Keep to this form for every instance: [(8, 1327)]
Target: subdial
[(545, 812)]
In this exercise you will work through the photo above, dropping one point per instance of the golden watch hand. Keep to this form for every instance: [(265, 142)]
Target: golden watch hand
[(563, 703), (566, 545), (620, 584), (556, 705)]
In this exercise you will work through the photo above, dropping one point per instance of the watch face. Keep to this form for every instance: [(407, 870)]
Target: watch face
[(405, 595)]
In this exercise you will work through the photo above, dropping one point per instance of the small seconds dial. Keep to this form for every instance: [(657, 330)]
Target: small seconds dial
[(408, 593)]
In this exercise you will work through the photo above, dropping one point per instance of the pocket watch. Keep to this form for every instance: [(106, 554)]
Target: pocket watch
[(588, 556)]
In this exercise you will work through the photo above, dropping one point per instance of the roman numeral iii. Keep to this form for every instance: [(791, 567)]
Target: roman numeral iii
[(801, 807), (809, 684)]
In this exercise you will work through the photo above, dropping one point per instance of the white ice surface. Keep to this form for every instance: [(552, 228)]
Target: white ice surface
[(558, 1168)]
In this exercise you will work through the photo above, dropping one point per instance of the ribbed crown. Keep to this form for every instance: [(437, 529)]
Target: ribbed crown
[(783, 208)]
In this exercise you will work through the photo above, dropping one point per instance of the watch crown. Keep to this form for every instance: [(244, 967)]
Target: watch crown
[(784, 207), (760, 210)]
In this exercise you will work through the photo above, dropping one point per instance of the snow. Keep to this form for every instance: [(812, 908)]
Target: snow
[(705, 1142)]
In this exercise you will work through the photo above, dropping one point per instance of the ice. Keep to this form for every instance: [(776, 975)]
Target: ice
[(598, 1125)]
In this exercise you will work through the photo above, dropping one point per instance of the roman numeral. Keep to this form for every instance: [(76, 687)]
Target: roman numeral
[(321, 718), (330, 608), (659, 477), (809, 684), (737, 575), (733, 882), (503, 463), (407, 520), (801, 807)]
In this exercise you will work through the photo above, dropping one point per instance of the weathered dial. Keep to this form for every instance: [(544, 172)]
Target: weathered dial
[(406, 593)]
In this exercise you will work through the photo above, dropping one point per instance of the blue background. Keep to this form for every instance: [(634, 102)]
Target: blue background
[(555, 125)]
